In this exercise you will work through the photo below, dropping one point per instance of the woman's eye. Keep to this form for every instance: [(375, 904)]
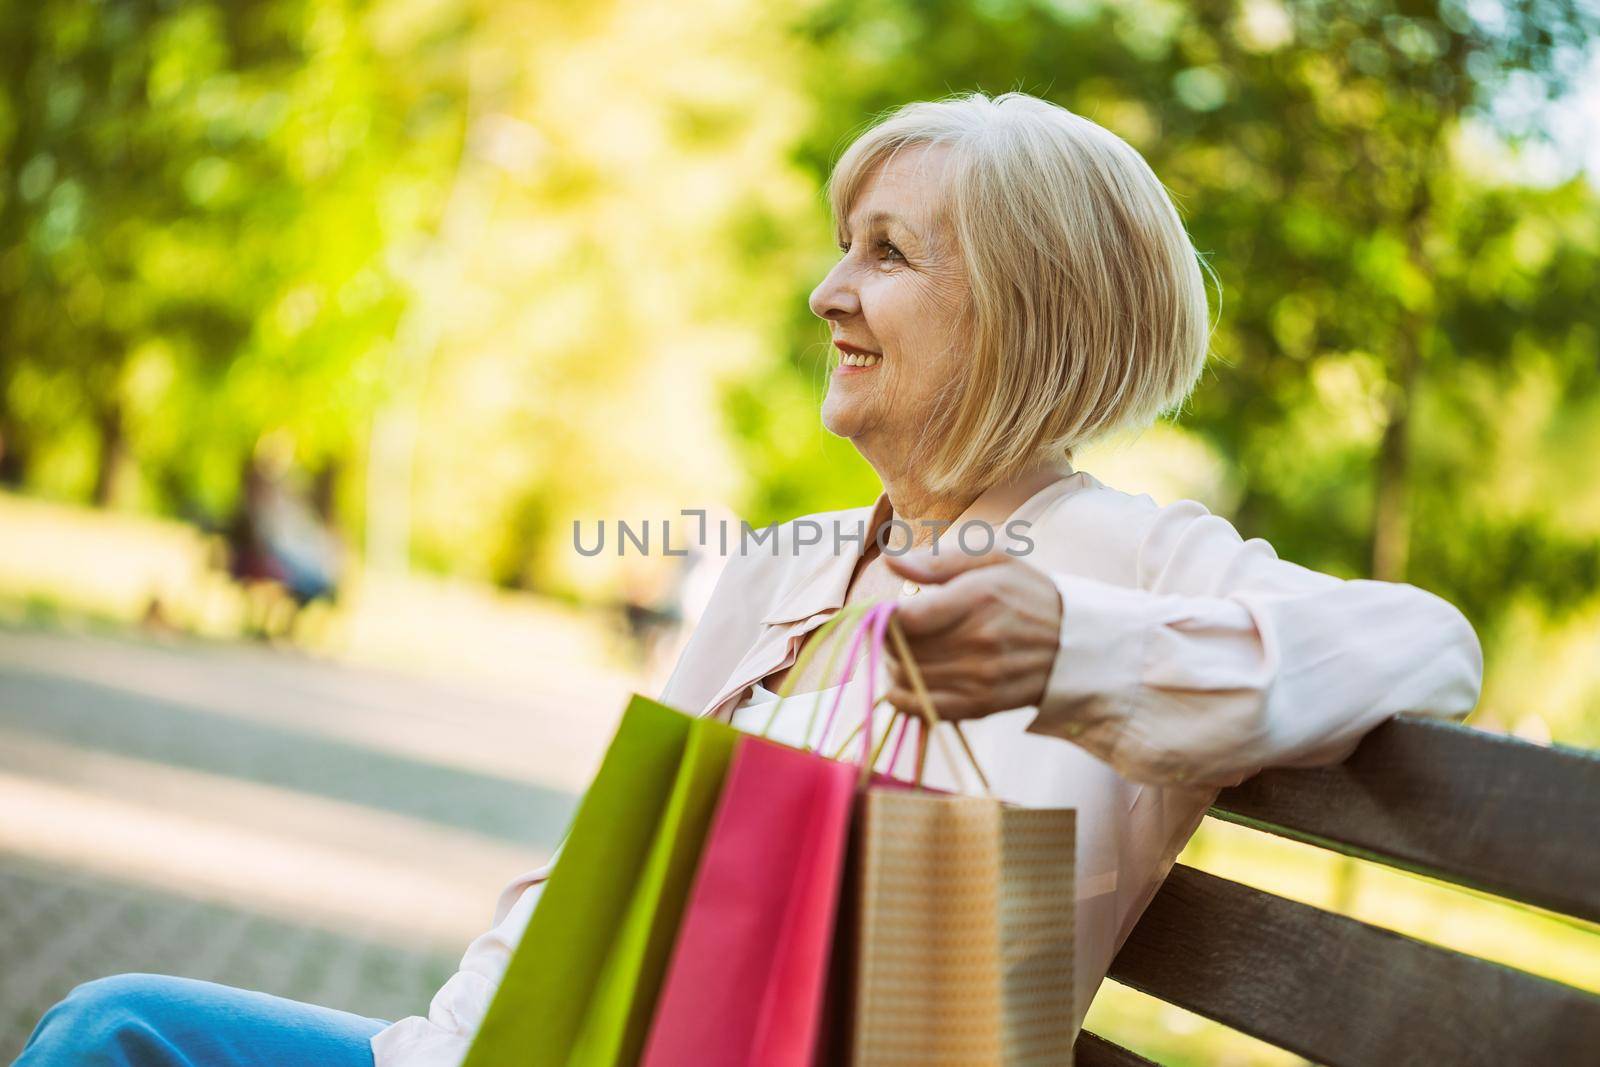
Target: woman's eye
[(886, 248)]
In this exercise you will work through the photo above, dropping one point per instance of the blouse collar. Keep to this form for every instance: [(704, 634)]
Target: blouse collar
[(824, 587)]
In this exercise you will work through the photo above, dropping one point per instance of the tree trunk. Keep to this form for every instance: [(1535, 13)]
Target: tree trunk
[(1391, 513), (13, 461), (112, 455)]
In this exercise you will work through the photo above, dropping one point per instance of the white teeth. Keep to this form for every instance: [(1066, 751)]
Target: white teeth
[(852, 359)]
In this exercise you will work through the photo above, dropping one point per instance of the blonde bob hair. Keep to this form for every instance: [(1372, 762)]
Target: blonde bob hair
[(1088, 309)]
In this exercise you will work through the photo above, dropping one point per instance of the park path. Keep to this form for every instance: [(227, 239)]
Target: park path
[(258, 817)]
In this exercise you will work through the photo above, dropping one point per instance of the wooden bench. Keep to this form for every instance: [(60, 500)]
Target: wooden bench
[(1511, 819)]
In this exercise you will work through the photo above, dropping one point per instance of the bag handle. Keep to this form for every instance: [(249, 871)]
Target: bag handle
[(871, 617), (873, 621), (878, 621), (902, 649), (848, 613), (871, 611)]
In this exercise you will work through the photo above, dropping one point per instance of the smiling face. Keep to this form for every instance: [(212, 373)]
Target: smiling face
[(899, 294)]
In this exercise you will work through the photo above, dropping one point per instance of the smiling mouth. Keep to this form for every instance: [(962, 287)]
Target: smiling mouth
[(858, 359)]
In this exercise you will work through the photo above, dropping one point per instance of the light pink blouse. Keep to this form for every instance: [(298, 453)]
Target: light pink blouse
[(1189, 659)]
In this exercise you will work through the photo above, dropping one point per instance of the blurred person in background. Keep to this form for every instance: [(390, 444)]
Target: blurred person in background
[(1014, 283), (650, 606), (281, 546), (664, 596)]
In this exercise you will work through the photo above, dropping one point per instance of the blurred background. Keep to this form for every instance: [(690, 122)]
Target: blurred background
[(322, 323)]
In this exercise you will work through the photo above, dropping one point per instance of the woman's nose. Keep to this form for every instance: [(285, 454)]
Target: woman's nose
[(834, 297)]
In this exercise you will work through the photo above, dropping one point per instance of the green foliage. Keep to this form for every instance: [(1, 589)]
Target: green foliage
[(502, 267), (199, 204), (1382, 290)]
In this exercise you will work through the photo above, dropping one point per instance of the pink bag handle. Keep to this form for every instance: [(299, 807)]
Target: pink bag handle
[(877, 623), (859, 615), (819, 637), (875, 649), (874, 621)]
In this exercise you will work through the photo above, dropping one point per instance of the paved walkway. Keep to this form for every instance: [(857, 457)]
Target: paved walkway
[(59, 927), (264, 819)]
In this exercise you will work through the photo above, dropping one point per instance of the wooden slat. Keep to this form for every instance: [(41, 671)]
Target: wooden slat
[(1511, 818), (1093, 1051), (1340, 992)]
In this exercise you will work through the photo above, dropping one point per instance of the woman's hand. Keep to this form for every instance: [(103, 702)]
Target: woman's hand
[(983, 631)]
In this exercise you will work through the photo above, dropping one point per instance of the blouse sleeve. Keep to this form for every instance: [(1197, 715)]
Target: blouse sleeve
[(442, 1037), (1225, 659)]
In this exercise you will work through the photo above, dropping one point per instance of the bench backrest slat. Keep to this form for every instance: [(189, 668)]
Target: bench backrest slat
[(1511, 818), (1092, 1051), (1339, 991)]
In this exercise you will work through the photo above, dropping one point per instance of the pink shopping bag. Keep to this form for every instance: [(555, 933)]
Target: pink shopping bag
[(750, 967), (747, 974)]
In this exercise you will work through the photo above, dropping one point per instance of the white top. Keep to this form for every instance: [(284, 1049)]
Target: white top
[(1189, 658)]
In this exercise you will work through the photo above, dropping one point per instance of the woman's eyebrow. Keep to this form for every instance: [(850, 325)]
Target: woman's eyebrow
[(888, 218)]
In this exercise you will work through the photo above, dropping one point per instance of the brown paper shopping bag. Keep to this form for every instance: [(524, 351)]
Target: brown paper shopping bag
[(961, 925)]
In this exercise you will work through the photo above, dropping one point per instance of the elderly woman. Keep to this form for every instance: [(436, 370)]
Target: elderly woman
[(1014, 282)]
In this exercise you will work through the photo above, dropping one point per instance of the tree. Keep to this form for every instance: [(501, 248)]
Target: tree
[(193, 224), (1369, 267)]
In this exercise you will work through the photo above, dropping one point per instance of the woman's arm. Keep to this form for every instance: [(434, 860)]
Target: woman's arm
[(1224, 659), (442, 1037)]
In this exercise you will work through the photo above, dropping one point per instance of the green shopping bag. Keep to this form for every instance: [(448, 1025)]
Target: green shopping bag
[(582, 985)]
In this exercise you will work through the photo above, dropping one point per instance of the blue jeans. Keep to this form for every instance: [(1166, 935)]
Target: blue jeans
[(151, 1020)]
